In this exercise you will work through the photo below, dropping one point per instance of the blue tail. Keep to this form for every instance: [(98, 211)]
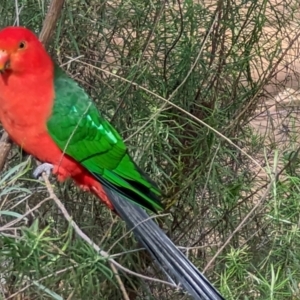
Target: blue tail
[(162, 249)]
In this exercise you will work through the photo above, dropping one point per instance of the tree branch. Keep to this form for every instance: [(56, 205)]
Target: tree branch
[(5, 145), (51, 19), (80, 233)]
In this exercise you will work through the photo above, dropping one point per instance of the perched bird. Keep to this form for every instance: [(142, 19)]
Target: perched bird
[(52, 118)]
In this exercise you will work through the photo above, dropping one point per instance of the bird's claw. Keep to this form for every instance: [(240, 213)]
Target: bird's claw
[(45, 167)]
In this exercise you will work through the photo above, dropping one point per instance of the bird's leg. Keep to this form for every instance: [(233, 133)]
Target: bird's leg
[(60, 172), (45, 167)]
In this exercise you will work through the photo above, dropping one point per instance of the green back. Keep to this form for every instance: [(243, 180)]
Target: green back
[(82, 133)]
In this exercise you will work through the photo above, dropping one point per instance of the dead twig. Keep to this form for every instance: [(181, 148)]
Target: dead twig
[(5, 146), (50, 22), (114, 264)]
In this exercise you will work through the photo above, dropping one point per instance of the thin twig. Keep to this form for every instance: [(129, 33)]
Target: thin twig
[(41, 279), (263, 197), (5, 146), (138, 224), (171, 104), (8, 225), (81, 234), (120, 282)]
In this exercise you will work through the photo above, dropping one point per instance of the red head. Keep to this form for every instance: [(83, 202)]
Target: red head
[(21, 52)]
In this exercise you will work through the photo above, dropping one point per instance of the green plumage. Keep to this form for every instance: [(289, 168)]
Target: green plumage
[(81, 132)]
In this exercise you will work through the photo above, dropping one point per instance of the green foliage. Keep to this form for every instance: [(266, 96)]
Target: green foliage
[(163, 72)]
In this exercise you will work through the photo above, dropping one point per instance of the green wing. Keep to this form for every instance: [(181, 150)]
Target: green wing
[(81, 132)]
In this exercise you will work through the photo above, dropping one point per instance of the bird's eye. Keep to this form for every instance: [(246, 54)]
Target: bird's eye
[(22, 45)]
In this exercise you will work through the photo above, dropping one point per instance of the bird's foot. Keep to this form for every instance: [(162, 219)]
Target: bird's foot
[(45, 167)]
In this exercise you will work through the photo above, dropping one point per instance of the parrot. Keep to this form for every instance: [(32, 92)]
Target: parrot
[(51, 117)]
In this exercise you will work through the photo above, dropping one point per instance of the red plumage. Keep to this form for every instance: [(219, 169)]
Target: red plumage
[(25, 106)]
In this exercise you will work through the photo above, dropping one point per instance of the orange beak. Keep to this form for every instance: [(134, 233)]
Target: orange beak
[(4, 60)]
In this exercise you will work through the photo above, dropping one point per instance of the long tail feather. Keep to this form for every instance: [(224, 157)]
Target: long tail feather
[(162, 249)]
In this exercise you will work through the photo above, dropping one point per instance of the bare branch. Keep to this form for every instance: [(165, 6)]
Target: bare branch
[(103, 253), (50, 22), (5, 146)]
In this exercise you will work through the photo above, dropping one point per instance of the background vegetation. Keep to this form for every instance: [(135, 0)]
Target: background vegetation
[(184, 82)]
